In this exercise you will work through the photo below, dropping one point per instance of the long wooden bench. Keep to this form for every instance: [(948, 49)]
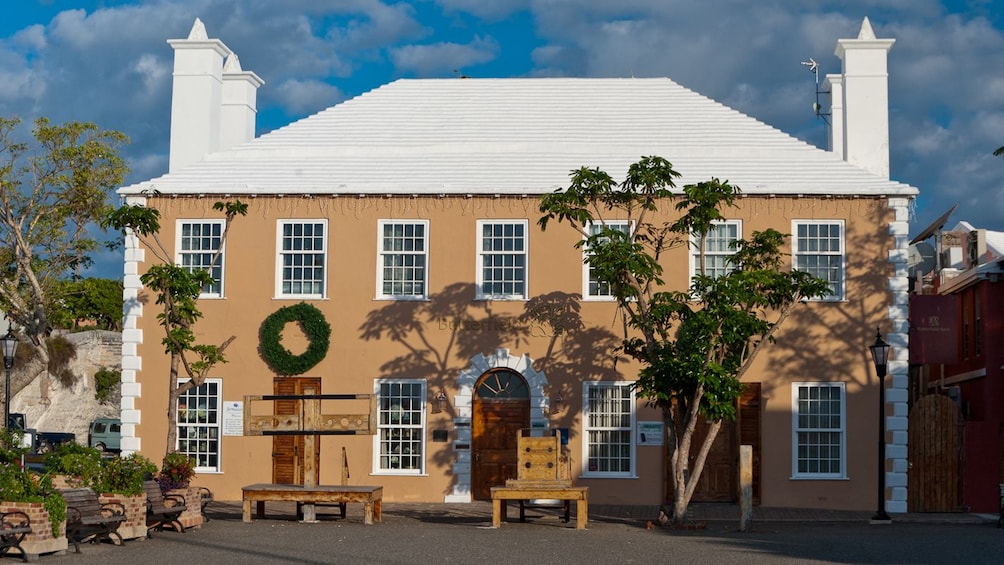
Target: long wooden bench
[(14, 526), (502, 494), (371, 497), (162, 509), (87, 520)]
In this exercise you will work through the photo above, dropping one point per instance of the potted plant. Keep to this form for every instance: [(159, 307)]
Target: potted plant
[(33, 494), (121, 481), (175, 478), (73, 465)]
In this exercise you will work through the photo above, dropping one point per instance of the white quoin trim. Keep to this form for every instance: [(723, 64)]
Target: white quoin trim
[(898, 335), (132, 337)]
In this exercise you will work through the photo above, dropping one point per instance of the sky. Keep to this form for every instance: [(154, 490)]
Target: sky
[(108, 62)]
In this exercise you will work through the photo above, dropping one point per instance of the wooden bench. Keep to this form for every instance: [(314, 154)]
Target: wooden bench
[(502, 494), (371, 498), (162, 509), (205, 497), (14, 526), (87, 520)]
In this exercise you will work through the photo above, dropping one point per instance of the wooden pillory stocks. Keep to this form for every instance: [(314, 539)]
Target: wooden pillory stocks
[(311, 423)]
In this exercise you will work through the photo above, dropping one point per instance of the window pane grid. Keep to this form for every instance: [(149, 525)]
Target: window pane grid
[(403, 259), (199, 424), (719, 246), (597, 287), (400, 426), (198, 242), (503, 259), (819, 432), (819, 251), (608, 428), (302, 252)]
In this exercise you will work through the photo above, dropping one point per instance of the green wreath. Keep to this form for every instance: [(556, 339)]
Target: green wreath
[(314, 325)]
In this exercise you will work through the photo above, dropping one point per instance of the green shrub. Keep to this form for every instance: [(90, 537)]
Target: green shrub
[(105, 381), (124, 475), (21, 485), (11, 449)]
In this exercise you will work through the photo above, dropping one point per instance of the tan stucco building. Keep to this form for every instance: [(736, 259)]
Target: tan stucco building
[(408, 217)]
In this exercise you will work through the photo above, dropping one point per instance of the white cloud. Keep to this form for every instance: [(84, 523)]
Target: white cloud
[(308, 96), (439, 58)]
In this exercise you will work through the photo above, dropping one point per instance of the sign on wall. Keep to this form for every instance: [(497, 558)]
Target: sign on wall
[(650, 433), (233, 418)]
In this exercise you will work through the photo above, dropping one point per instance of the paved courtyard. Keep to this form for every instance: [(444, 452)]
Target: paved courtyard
[(461, 533)]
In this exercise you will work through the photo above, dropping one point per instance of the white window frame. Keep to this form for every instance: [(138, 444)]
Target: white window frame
[(798, 250), (192, 422), (383, 253), (629, 430), (481, 254), (280, 254), (384, 424), (181, 253), (797, 430), (695, 250), (587, 269)]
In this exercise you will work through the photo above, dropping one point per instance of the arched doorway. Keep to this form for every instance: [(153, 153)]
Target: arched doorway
[(501, 408)]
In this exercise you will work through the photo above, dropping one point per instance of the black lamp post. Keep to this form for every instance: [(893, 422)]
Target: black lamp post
[(880, 355), (9, 345)]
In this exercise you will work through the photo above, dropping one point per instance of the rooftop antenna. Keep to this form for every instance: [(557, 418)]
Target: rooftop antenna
[(816, 106)]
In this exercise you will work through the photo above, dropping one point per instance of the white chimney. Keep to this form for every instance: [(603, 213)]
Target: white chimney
[(240, 106), (863, 133), (834, 84)]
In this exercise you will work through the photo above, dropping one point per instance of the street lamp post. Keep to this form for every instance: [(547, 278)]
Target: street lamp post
[(880, 355), (9, 345)]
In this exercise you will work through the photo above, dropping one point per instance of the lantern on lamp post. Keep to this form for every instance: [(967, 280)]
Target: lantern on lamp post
[(9, 345), (880, 356)]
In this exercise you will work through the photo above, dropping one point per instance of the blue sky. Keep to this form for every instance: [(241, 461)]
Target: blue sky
[(107, 61)]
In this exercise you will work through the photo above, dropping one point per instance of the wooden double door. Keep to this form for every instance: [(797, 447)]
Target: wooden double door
[(719, 481), (287, 450)]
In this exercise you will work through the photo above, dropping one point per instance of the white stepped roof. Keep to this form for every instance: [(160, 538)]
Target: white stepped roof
[(517, 136)]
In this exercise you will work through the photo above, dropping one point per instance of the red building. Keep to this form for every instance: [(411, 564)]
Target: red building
[(956, 337)]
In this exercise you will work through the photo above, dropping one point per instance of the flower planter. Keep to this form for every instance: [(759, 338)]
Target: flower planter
[(192, 516), (134, 526), (41, 539)]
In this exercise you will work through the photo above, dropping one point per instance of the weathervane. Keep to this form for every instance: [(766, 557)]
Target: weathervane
[(816, 106)]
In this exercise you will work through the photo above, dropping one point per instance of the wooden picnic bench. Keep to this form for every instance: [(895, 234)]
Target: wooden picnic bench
[(14, 526), (162, 509), (371, 497), (89, 520)]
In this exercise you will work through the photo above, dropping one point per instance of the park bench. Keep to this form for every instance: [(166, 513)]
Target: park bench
[(162, 509), (14, 526), (87, 520), (205, 497)]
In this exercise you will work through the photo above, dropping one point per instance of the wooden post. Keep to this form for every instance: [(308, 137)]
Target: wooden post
[(311, 411), (745, 487)]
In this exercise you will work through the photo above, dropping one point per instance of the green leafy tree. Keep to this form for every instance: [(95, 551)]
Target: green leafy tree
[(693, 345), (177, 289), (91, 300), (999, 151), (51, 192)]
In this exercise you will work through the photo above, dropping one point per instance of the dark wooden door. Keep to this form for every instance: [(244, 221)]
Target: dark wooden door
[(496, 427), (934, 450), (287, 451), (719, 480)]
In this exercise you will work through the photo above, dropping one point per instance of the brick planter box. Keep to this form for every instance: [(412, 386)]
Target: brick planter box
[(40, 540), (134, 526), (192, 516)]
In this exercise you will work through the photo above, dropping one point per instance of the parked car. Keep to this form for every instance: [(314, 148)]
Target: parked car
[(105, 434), (36, 441)]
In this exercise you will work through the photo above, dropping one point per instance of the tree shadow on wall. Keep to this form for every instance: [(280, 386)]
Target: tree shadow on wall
[(436, 339)]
